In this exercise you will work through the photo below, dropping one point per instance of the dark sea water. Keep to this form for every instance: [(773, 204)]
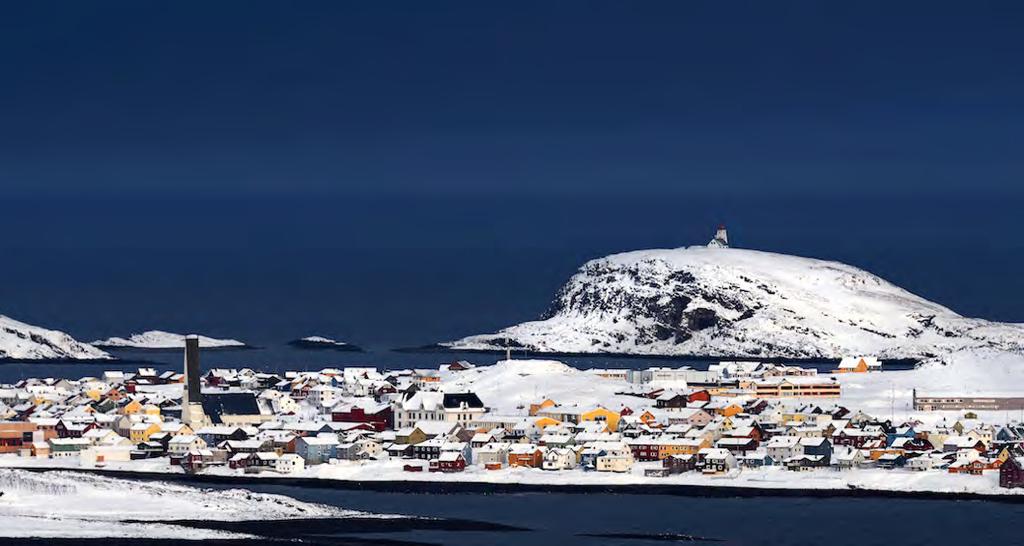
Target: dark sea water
[(390, 272), (761, 521)]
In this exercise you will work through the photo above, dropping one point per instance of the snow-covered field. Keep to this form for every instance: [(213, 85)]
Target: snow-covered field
[(26, 342), (743, 303), (509, 387), (931, 481), (158, 339), (67, 504)]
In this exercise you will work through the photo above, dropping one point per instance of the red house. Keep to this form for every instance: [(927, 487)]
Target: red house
[(449, 461), (380, 416), (1011, 473)]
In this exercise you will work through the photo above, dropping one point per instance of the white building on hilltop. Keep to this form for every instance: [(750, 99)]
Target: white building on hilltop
[(721, 239)]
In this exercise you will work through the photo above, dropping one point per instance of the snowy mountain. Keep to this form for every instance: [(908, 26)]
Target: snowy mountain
[(727, 302), (158, 339), (20, 341)]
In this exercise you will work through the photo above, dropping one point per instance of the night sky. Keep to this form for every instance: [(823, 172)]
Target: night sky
[(392, 165), (545, 97)]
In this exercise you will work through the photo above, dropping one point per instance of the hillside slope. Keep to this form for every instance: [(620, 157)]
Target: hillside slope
[(731, 302), (20, 341)]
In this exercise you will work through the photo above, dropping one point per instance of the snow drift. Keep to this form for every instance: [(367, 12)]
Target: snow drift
[(75, 505), (20, 341), (727, 302)]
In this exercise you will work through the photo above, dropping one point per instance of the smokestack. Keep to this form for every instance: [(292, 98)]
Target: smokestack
[(192, 369)]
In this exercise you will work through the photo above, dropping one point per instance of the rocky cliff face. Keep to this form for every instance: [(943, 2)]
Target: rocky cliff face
[(20, 341), (742, 303)]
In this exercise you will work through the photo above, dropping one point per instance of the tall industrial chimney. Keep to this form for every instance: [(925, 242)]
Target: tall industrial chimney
[(192, 401), (192, 369)]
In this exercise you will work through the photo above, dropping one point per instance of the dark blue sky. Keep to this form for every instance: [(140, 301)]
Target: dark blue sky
[(403, 172), (546, 97)]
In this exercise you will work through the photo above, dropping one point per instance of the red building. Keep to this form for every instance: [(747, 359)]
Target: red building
[(449, 461), (1011, 473), (644, 449), (380, 417)]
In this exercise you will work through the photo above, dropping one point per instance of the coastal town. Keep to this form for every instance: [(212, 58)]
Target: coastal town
[(513, 416)]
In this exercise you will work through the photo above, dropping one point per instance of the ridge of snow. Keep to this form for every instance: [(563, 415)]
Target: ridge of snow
[(728, 302), (158, 339), (22, 341)]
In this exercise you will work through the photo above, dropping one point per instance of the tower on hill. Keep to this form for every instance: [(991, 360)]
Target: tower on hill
[(721, 239)]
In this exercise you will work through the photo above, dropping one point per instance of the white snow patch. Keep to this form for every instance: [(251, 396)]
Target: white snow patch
[(158, 339), (26, 342)]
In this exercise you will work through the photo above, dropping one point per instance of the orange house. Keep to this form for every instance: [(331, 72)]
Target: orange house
[(976, 467), (529, 456), (876, 454), (648, 419), (534, 408), (16, 435)]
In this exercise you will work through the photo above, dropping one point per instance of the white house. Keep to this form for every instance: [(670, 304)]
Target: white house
[(289, 463), (183, 443), (461, 408), (617, 457), (560, 458), (492, 453), (780, 448)]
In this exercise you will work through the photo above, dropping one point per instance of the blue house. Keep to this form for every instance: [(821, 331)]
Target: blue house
[(906, 432), (818, 447), (317, 449)]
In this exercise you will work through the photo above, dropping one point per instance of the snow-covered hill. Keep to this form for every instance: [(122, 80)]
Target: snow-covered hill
[(743, 303), (20, 341), (158, 339)]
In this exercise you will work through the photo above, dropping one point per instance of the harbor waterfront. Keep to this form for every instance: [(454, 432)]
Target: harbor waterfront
[(529, 423)]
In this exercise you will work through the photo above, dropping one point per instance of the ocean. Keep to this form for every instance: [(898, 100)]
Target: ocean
[(387, 272)]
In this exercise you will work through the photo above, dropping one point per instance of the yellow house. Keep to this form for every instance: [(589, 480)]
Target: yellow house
[(681, 446), (140, 432), (131, 408), (547, 403), (546, 422), (150, 409), (94, 394), (610, 417), (793, 417), (175, 429)]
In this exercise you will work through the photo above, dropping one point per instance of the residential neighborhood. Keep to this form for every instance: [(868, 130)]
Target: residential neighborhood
[(666, 422)]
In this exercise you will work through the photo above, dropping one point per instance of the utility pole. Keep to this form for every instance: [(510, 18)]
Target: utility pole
[(892, 402)]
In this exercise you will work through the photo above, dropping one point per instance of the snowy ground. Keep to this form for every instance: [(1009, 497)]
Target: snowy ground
[(932, 481), (509, 387), (983, 373), (66, 504)]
